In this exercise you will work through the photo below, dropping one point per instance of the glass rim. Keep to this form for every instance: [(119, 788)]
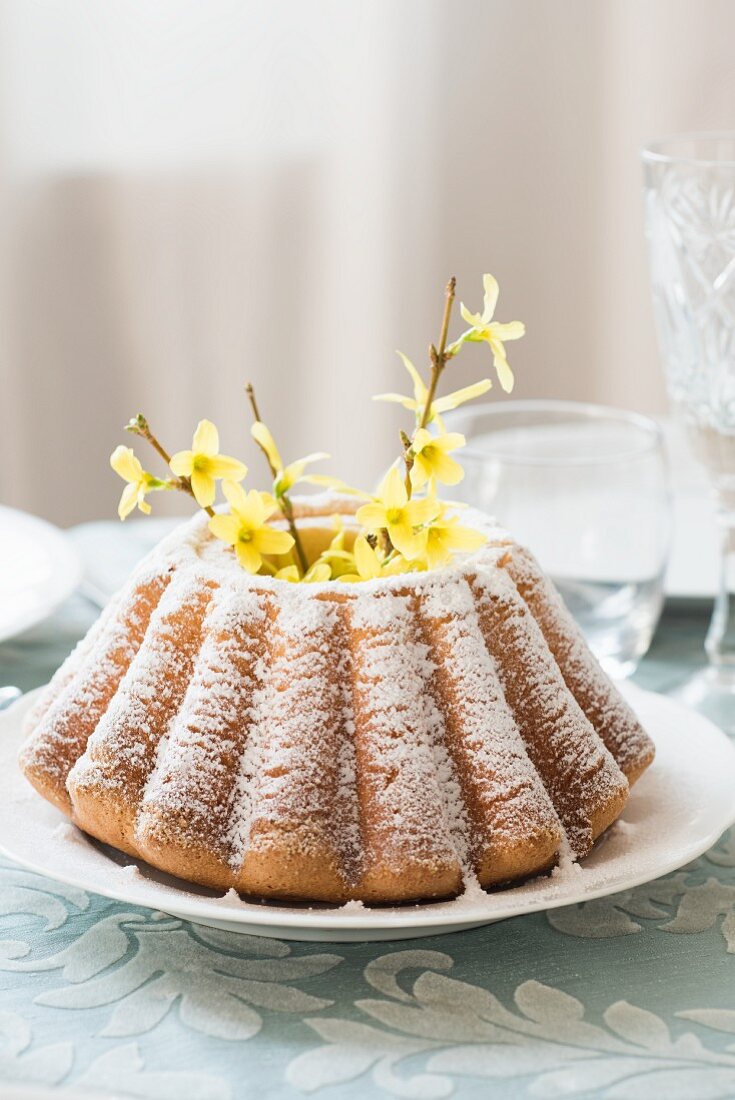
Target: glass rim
[(650, 432), (653, 152)]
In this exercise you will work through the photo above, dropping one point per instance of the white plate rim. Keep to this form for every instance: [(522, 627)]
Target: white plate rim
[(454, 915), (66, 577)]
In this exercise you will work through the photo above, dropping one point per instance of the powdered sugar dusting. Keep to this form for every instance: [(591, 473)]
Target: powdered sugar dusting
[(188, 798), (579, 773), (605, 707), (412, 806), (121, 751), (510, 802), (403, 735), (78, 697), (298, 771)]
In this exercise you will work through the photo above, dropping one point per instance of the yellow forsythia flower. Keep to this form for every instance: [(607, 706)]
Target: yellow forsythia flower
[(245, 526), (444, 536), (493, 333), (125, 463), (315, 574), (335, 556), (367, 563), (417, 403), (204, 465), (431, 458), (393, 511), (286, 476)]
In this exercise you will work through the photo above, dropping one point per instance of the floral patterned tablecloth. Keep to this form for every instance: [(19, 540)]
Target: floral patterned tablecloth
[(630, 997)]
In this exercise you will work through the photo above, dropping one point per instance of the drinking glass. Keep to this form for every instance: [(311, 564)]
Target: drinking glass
[(586, 489), (690, 226)]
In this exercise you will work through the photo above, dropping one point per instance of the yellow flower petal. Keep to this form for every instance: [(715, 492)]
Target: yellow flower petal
[(368, 564), (335, 483), (222, 466), (371, 516), (318, 573), (508, 330), (125, 463), (408, 542), (270, 541), (316, 456), (225, 528), (392, 492), (505, 374), (265, 440), (437, 553), (267, 503), (421, 471), (420, 512), (248, 556), (294, 472), (182, 463), (453, 400), (204, 488), (289, 573), (128, 500), (450, 441), (235, 496), (446, 469), (420, 390), (490, 284), (473, 319), (397, 399), (466, 538), (206, 439)]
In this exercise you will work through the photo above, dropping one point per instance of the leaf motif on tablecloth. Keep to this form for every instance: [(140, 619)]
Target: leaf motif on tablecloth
[(702, 906), (605, 918), (45, 1065), (143, 966), (454, 1029), (723, 854), (680, 902), (26, 893), (124, 1066)]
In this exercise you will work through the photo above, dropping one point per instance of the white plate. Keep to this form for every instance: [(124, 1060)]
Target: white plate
[(39, 568), (677, 811), (110, 555)]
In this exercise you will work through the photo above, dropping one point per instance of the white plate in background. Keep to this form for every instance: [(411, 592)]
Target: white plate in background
[(676, 811), (39, 569), (110, 551)]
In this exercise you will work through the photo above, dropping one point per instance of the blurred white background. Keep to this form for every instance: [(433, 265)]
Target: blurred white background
[(193, 195)]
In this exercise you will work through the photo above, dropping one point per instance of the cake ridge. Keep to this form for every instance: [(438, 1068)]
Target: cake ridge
[(500, 783), (562, 743), (187, 795), (400, 761)]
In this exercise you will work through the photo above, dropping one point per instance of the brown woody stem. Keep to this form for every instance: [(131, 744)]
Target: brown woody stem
[(139, 426), (283, 501), (438, 354)]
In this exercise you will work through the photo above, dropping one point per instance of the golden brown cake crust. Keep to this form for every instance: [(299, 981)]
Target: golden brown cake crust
[(384, 742)]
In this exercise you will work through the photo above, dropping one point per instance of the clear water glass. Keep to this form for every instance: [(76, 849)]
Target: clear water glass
[(586, 489), (690, 226)]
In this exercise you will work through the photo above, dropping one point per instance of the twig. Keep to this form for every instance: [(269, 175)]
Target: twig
[(283, 500), (438, 354)]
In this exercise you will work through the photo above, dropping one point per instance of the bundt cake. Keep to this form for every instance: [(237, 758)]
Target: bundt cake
[(383, 741)]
